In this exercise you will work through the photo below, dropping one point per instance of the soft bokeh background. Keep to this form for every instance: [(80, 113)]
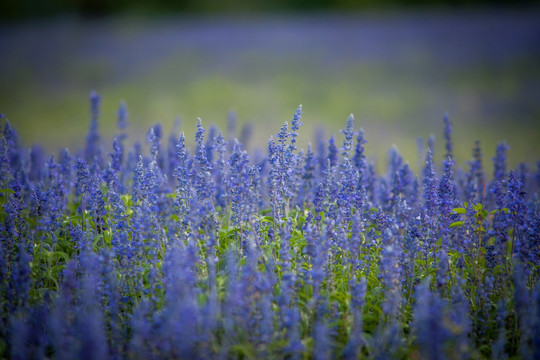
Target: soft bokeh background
[(398, 69)]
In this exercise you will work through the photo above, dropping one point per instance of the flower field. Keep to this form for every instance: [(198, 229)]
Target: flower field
[(162, 251)]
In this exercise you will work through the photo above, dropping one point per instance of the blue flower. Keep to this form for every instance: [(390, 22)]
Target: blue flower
[(93, 146), (122, 115)]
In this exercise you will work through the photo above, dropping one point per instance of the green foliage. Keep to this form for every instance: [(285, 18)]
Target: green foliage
[(51, 253)]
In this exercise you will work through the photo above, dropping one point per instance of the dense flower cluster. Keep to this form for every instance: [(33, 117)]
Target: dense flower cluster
[(218, 253)]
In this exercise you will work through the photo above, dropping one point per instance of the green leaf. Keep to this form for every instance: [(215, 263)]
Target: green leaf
[(459, 210), (457, 223), (268, 219), (478, 207), (59, 255), (7, 191)]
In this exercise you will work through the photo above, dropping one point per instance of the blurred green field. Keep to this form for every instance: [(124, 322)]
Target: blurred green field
[(397, 73)]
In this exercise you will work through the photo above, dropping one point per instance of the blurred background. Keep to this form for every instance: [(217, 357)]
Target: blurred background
[(397, 68)]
